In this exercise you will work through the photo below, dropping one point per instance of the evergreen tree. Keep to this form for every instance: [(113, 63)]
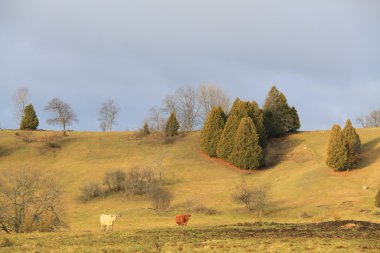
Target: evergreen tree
[(279, 118), (29, 120), (226, 141), (145, 130), (353, 142), (296, 120), (337, 151), (212, 131), (377, 199), (247, 153), (172, 125), (258, 120)]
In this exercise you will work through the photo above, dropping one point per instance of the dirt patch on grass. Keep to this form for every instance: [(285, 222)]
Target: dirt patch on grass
[(345, 229), (224, 163)]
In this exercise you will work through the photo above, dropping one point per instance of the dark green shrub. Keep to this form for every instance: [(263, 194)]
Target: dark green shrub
[(29, 121), (337, 151), (172, 126), (247, 153), (353, 143), (279, 118), (212, 131), (377, 199)]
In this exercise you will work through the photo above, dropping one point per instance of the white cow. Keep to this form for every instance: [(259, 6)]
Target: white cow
[(107, 220)]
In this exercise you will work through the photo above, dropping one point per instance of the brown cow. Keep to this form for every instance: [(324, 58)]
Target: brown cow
[(182, 219)]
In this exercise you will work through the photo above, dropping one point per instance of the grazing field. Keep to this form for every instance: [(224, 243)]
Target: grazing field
[(301, 189), (336, 236)]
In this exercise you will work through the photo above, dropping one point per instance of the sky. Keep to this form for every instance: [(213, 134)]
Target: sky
[(323, 55)]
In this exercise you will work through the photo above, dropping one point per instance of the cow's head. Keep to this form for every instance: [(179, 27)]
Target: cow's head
[(188, 216), (115, 216)]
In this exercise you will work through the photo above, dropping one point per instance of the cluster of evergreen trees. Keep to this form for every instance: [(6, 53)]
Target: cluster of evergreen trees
[(241, 137), (343, 148)]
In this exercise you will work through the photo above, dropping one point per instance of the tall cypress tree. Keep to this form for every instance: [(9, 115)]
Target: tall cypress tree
[(279, 118), (258, 120), (226, 142), (377, 199), (212, 130), (172, 125), (353, 142), (296, 124), (29, 121), (337, 151), (247, 153)]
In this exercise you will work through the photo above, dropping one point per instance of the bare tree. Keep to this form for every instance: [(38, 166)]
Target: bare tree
[(63, 114), (156, 120), (27, 200), (361, 120), (184, 104), (170, 104), (370, 120), (260, 201), (212, 95), (254, 198), (373, 119), (20, 99), (107, 115)]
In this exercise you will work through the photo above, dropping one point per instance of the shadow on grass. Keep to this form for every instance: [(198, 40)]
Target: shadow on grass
[(5, 151), (369, 153), (278, 148)]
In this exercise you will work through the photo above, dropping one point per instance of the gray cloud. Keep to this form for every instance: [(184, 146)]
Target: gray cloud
[(323, 55)]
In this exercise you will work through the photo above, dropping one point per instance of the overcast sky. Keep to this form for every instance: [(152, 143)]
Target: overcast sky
[(323, 55)]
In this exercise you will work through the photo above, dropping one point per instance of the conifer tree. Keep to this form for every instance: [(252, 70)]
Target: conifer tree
[(172, 125), (239, 110), (279, 118), (29, 120), (247, 153), (296, 120), (353, 142), (258, 120), (337, 151), (377, 199), (212, 131), (145, 129), (226, 141)]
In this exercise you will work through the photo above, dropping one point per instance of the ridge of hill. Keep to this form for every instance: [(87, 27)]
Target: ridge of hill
[(301, 187)]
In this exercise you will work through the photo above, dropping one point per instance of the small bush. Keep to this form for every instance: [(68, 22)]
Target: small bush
[(5, 242), (44, 222), (243, 194), (160, 198), (145, 130), (254, 198), (172, 125), (51, 142), (26, 137), (200, 208), (139, 181), (89, 191), (115, 181)]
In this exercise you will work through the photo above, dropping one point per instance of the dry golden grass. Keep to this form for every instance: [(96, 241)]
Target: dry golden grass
[(298, 178)]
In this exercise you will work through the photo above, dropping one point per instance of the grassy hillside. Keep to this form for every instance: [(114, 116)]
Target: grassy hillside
[(298, 179)]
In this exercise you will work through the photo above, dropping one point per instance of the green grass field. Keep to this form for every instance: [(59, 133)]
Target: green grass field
[(299, 182)]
